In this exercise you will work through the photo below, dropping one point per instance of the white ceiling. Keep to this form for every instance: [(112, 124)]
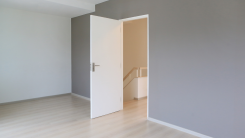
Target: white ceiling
[(67, 8)]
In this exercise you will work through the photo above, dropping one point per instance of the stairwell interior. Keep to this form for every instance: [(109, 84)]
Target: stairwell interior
[(135, 59)]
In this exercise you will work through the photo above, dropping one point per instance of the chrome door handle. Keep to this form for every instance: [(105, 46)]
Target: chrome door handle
[(93, 67)]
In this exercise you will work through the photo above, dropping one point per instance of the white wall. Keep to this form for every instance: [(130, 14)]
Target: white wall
[(134, 45), (137, 88), (35, 55), (142, 87), (130, 91)]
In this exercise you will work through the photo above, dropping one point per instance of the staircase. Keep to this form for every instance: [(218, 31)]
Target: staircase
[(135, 84)]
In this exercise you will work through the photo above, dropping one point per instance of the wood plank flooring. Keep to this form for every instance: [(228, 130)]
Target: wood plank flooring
[(67, 116)]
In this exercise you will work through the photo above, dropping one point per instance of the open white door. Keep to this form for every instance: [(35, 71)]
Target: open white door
[(106, 74)]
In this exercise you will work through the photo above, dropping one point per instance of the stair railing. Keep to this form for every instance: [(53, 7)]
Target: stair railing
[(135, 72)]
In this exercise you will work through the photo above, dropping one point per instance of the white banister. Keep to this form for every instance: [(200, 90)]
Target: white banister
[(135, 72), (142, 68)]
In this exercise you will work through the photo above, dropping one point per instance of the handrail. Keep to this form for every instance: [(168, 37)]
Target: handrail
[(140, 70), (129, 73), (138, 74)]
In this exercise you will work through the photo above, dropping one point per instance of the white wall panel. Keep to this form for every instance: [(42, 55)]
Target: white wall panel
[(35, 55)]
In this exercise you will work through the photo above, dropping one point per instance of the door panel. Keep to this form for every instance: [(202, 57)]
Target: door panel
[(106, 84)]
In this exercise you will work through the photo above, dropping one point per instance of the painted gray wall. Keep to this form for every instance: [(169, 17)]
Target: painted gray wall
[(197, 69), (81, 56)]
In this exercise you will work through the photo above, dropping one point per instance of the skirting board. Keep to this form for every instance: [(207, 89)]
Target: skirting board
[(34, 98), (140, 98), (179, 128), (85, 98)]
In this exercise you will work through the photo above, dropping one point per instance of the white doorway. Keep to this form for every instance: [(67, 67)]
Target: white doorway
[(137, 74), (106, 58)]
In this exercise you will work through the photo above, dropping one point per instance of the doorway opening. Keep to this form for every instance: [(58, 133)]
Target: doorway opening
[(135, 60)]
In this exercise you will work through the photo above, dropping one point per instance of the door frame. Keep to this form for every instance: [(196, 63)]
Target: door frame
[(148, 59)]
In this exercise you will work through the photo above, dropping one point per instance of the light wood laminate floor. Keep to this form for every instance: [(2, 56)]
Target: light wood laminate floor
[(67, 116)]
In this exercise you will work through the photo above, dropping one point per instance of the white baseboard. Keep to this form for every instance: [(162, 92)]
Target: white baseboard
[(85, 98), (178, 128), (34, 98), (140, 98)]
